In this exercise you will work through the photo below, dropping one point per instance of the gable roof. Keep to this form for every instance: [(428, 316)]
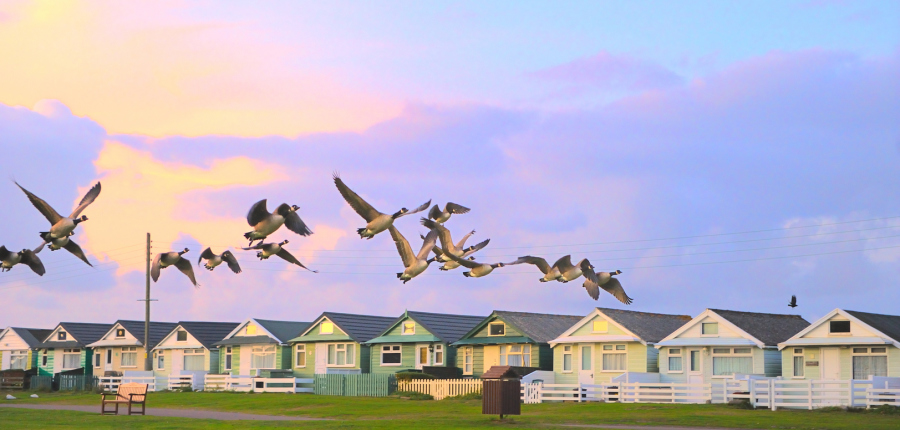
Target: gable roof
[(887, 324), (447, 327), (207, 333), (283, 330), (158, 330), (31, 336), (770, 329), (360, 328), (275, 332), (82, 334), (540, 328), (650, 327)]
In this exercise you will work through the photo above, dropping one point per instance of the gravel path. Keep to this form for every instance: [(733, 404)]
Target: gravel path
[(159, 412)]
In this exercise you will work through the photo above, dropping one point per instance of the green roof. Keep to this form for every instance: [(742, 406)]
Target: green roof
[(494, 340), (405, 339)]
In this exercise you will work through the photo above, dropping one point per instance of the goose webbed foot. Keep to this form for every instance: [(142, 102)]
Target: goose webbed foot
[(542, 280)]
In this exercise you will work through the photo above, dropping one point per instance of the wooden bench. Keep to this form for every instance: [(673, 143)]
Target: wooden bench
[(131, 393)]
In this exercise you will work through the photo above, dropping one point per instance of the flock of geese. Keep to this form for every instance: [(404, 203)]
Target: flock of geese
[(264, 223)]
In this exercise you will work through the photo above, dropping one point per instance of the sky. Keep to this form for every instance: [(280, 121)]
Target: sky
[(721, 154)]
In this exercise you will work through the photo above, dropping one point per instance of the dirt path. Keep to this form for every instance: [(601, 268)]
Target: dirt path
[(180, 413)]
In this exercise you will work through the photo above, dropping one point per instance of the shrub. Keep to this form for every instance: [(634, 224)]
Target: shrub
[(414, 395), (886, 410), (470, 396), (743, 404)]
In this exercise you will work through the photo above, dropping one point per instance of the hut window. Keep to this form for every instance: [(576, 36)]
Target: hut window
[(193, 359), (515, 355), (61, 335), (567, 358), (467, 360), (726, 363), (798, 362), (251, 329), (709, 329), (869, 362), (97, 360), (341, 354), (44, 358), (182, 336), (71, 358), (17, 359), (300, 353), (676, 363), (438, 355), (601, 326), (262, 357), (839, 326), (227, 358), (129, 356), (326, 328), (161, 361), (391, 355), (120, 332), (496, 329), (614, 357), (409, 327)]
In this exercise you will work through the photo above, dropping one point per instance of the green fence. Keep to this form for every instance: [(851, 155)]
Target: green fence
[(77, 382), (367, 385), (41, 382)]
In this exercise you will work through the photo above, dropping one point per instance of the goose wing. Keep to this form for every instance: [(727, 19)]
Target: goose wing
[(537, 261), (232, 261), (587, 270), (418, 209), (614, 287), (406, 252), (462, 242), (478, 247), (427, 246), (207, 254), (456, 209), (258, 212), (88, 198), (443, 234), (185, 267), (259, 245), (31, 260), (42, 206), (4, 253), (286, 256), (436, 249), (465, 262), (564, 264), (293, 223), (73, 247), (154, 268), (363, 208), (435, 212)]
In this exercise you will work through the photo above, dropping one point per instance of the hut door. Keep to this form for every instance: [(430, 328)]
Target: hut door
[(108, 365), (695, 371), (321, 358), (831, 364), (586, 370), (5, 365), (422, 358)]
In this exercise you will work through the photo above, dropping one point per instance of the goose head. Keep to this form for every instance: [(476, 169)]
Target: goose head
[(430, 260), (472, 258), (400, 213), (295, 208), (183, 252), (498, 265), (283, 243), (83, 218), (616, 272)]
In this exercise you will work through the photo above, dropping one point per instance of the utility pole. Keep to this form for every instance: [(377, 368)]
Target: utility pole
[(148, 360)]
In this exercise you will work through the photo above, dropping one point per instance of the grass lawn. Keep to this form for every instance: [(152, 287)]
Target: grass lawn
[(394, 413)]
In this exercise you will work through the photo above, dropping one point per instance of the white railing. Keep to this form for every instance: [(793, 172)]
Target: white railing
[(243, 383), (179, 382), (665, 393), (540, 392), (111, 383), (882, 396), (441, 388)]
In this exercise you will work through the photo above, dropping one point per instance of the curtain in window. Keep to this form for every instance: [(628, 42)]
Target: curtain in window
[(17, 361), (798, 365), (613, 361), (128, 359), (675, 364), (195, 362), (263, 359), (865, 366), (729, 365)]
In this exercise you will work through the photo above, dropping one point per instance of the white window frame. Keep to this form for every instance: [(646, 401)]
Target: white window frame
[(594, 327), (497, 323), (468, 361), (567, 351), (128, 350), (97, 358), (349, 359), (615, 350), (868, 353), (44, 355), (70, 351), (161, 360), (730, 353), (404, 325), (263, 351), (226, 363), (391, 350), (247, 329), (670, 353), (840, 333), (506, 351), (61, 335), (322, 327), (117, 333), (193, 353), (19, 354), (703, 332), (798, 352), (178, 334), (300, 350), (438, 349)]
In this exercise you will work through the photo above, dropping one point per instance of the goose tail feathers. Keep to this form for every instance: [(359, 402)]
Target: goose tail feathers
[(467, 274)]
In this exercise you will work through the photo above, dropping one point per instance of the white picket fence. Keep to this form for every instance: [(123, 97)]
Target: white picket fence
[(244, 383), (178, 382), (111, 383), (441, 388)]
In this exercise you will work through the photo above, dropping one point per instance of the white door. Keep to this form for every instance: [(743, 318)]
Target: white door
[(321, 358), (245, 360), (831, 364), (177, 361), (586, 368), (422, 356), (6, 355), (108, 366), (695, 366)]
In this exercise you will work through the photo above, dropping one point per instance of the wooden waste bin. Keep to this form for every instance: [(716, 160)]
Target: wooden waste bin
[(501, 391)]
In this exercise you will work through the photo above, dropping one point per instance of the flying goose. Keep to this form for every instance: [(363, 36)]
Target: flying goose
[(8, 259), (477, 269), (441, 216), (166, 259), (61, 227), (267, 250), (414, 264), (592, 280), (793, 303), (65, 243), (376, 221), (451, 248), (612, 286), (551, 273), (213, 260), (451, 264), (265, 223)]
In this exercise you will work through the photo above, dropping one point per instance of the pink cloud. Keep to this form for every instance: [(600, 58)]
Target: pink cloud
[(613, 71)]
